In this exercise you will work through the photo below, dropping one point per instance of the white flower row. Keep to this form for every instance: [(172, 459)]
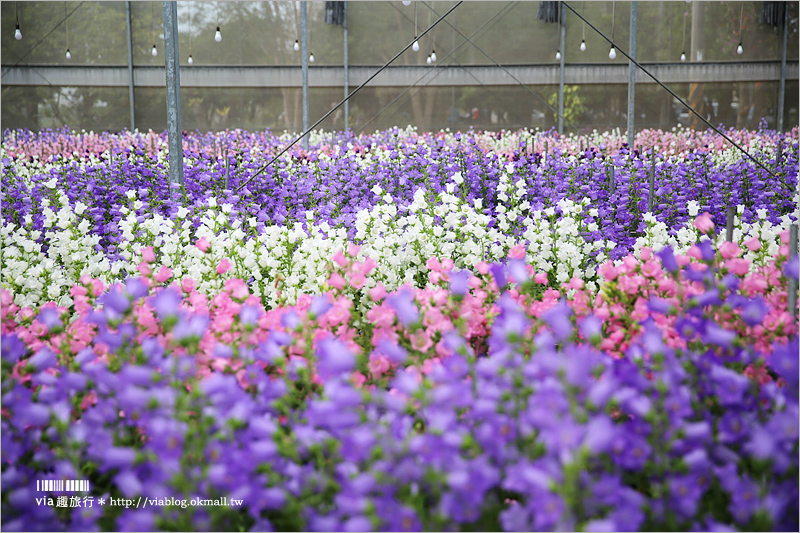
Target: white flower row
[(283, 262)]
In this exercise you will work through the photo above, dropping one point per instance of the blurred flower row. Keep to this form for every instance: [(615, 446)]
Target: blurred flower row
[(486, 400)]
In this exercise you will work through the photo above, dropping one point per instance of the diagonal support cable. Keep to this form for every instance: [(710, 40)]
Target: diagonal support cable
[(436, 67), (326, 115), (701, 117), (504, 69)]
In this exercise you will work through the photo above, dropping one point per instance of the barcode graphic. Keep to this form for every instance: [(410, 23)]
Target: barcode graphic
[(62, 485)]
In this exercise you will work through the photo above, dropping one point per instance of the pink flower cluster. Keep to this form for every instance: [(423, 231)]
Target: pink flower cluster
[(408, 328)]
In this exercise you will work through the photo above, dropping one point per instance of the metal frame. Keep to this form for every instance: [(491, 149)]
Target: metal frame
[(632, 76), (398, 76), (173, 82)]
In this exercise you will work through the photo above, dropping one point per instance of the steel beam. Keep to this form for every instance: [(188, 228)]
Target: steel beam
[(632, 75), (782, 85), (400, 76), (562, 49), (130, 63), (173, 82), (304, 67), (347, 71)]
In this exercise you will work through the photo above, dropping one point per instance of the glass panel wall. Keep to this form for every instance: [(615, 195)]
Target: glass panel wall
[(476, 33)]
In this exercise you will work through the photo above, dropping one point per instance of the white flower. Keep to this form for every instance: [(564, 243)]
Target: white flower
[(377, 190), (212, 202), (131, 194), (458, 179)]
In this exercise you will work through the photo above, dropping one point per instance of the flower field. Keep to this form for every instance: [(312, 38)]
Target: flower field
[(399, 331)]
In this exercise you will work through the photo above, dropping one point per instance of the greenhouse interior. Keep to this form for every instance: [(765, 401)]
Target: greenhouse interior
[(399, 266), (251, 78)]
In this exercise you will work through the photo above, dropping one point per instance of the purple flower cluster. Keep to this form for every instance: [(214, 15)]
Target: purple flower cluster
[(335, 182)]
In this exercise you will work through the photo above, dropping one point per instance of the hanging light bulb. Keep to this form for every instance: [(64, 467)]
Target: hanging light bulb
[(583, 46), (683, 56), (296, 46), (191, 61), (69, 56), (612, 54), (154, 51), (428, 60), (406, 2), (433, 55), (218, 35), (311, 57), (17, 31), (415, 46), (558, 55), (739, 49)]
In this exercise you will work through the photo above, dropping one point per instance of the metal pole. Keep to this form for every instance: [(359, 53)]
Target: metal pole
[(729, 218), (561, 70), (130, 62), (304, 38), (174, 129), (792, 281), (651, 198), (782, 86), (346, 72), (632, 75)]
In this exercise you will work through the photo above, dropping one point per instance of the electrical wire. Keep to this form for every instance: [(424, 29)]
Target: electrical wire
[(683, 44), (337, 106), (670, 91), (66, 26), (741, 21), (415, 21), (583, 29), (613, 18)]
